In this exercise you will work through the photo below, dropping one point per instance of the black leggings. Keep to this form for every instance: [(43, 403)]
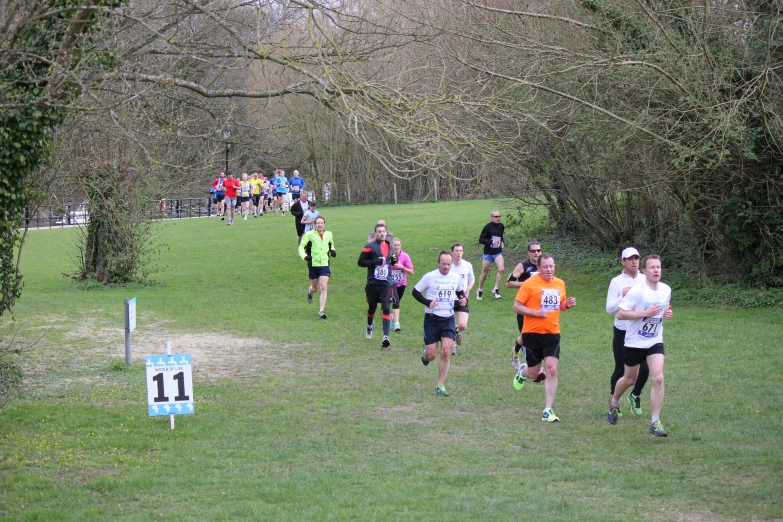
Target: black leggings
[(399, 291), (618, 343)]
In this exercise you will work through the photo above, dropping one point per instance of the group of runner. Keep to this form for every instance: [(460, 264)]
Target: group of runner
[(639, 300), (254, 194)]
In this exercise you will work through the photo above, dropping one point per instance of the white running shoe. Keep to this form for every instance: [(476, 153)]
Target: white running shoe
[(458, 339), (496, 294), (515, 364), (479, 294), (368, 334)]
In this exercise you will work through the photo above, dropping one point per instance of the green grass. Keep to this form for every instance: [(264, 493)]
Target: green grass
[(303, 419)]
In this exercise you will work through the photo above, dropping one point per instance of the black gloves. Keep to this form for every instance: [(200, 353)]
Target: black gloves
[(308, 258), (333, 252), (393, 259)]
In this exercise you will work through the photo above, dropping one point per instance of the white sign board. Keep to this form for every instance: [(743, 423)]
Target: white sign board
[(130, 314), (169, 384)]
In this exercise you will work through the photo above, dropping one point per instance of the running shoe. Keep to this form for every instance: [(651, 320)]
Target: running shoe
[(479, 294), (368, 335), (309, 297), (636, 404), (453, 349), (321, 315), (397, 326), (541, 376), (515, 362), (245, 217), (519, 379), (284, 212), (549, 416), (424, 359), (386, 342), (495, 293), (613, 414), (656, 428), (230, 222), (222, 218), (458, 338), (441, 390)]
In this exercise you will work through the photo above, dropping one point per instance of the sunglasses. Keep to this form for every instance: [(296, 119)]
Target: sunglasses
[(535, 251)]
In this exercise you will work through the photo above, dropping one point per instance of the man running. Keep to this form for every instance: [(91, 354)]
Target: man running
[(316, 248), (465, 270), (645, 306), (378, 258), (296, 184), (618, 288), (231, 185), (297, 210), (522, 273), (492, 239), (220, 195), (439, 291), (281, 190), (541, 299)]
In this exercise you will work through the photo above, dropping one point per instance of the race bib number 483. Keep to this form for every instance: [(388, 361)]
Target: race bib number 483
[(550, 299)]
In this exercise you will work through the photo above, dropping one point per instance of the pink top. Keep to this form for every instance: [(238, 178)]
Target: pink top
[(400, 277)]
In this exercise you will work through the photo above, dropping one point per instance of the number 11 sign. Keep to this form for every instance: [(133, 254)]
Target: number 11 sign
[(169, 384)]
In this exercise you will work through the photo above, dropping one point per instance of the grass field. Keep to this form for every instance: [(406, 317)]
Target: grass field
[(303, 419)]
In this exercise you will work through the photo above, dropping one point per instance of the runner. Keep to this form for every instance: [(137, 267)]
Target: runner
[(231, 185), (257, 183), (465, 270), (541, 299), (492, 239), (645, 306), (439, 291), (400, 272), (389, 233), (618, 288), (522, 273), (298, 210), (296, 184), (316, 248), (267, 194), (220, 195), (377, 256), (245, 191), (308, 219), (281, 190)]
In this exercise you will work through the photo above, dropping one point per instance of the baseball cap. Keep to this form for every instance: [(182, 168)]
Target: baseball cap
[(628, 252)]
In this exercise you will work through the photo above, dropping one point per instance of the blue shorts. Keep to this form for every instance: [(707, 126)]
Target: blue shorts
[(437, 327), (231, 202), (319, 271), (491, 257)]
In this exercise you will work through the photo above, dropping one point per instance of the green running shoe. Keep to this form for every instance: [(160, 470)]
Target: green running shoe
[(612, 414), (441, 390), (636, 404), (549, 416), (519, 379), (424, 359), (656, 428)]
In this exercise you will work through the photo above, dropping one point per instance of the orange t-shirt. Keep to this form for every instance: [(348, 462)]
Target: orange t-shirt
[(536, 293)]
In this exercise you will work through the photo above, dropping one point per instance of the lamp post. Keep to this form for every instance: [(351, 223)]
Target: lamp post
[(226, 136)]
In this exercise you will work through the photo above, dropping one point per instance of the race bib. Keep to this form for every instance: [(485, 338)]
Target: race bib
[(396, 276), (381, 272), (650, 327), (550, 299), (496, 241)]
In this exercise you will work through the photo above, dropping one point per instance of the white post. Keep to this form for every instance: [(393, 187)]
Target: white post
[(168, 352), (395, 193)]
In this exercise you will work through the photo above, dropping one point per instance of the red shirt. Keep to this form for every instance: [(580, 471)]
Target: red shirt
[(231, 186)]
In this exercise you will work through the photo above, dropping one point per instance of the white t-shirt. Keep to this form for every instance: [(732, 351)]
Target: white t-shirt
[(648, 331), (443, 289), (465, 270), (615, 295), (308, 215)]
